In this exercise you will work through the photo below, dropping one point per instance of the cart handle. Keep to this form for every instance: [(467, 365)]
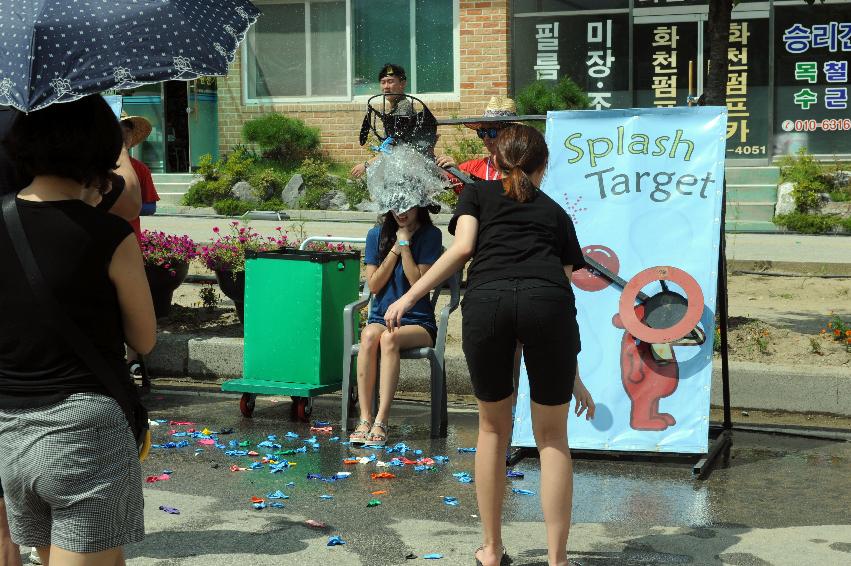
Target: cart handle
[(340, 240)]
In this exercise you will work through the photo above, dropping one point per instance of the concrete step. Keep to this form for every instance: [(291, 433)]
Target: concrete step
[(173, 177), (751, 193), (752, 175), (734, 226), (750, 211)]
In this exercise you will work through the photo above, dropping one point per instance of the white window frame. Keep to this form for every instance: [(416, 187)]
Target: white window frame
[(454, 96)]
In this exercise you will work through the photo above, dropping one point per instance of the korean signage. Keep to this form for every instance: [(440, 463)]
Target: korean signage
[(747, 87), (593, 50), (663, 52), (813, 56)]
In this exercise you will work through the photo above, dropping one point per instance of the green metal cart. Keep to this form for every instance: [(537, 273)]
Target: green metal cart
[(294, 301)]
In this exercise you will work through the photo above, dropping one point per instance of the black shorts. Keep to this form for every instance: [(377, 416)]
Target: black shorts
[(538, 314)]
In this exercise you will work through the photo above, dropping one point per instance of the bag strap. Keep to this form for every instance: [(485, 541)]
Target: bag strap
[(70, 331)]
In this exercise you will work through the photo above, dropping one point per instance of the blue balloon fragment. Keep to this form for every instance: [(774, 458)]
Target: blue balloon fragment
[(334, 439), (433, 556), (321, 423), (467, 450), (291, 484), (277, 495), (259, 506), (451, 501), (335, 540), (519, 491), (276, 504), (513, 474), (440, 459), (169, 510), (326, 497), (256, 466), (233, 444), (272, 437), (463, 477), (291, 435), (180, 434)]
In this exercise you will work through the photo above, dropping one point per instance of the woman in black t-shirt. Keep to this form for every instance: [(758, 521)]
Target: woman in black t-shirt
[(68, 459), (525, 249)]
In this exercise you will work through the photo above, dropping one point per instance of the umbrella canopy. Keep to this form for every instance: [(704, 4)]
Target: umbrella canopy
[(60, 50)]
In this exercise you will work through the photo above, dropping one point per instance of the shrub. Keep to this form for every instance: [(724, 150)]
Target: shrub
[(236, 166), (316, 181), (449, 198), (281, 137), (807, 174), (207, 168), (205, 193), (807, 195), (464, 146), (266, 182), (355, 191), (811, 223), (541, 96)]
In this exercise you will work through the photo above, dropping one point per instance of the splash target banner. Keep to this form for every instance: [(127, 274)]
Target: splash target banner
[(644, 188)]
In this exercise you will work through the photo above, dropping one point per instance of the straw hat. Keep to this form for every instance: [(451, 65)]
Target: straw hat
[(498, 109), (140, 131)]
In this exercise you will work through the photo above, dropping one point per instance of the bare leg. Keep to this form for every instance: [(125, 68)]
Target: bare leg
[(549, 424), (55, 556), (403, 338), (494, 436), (9, 552), (366, 367)]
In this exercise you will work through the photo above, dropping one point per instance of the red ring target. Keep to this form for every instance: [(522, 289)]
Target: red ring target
[(637, 328)]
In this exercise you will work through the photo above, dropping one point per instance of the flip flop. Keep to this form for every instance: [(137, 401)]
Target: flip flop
[(503, 561)]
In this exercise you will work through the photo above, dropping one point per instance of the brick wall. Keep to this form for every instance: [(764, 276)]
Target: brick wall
[(484, 72)]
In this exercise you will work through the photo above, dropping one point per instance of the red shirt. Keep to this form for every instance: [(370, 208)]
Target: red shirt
[(149, 191), (483, 168)]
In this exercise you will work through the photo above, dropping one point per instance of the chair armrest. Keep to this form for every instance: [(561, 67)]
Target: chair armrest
[(348, 318)]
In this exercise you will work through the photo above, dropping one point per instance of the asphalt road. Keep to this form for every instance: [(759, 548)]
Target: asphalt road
[(778, 500)]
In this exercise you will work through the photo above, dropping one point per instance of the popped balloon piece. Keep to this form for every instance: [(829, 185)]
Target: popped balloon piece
[(382, 476), (513, 474), (519, 491), (451, 501), (373, 503), (433, 556), (314, 523), (467, 450), (169, 510), (335, 540)]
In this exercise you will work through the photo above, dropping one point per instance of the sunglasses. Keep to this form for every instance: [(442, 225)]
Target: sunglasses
[(489, 132)]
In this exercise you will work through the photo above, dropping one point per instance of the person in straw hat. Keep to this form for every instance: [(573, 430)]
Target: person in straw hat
[(136, 130), (484, 168)]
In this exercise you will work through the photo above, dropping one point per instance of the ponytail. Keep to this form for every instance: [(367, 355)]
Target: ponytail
[(520, 151)]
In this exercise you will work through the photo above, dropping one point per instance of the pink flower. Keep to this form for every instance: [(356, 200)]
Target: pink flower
[(216, 229)]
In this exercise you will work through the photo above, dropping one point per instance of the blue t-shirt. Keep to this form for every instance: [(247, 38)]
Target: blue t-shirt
[(426, 247)]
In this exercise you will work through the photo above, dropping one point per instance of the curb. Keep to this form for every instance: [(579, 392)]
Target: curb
[(753, 386)]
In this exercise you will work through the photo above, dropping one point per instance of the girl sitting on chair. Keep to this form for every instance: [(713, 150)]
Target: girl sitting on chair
[(399, 250)]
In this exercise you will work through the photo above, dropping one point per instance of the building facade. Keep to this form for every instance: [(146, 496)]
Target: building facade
[(318, 60)]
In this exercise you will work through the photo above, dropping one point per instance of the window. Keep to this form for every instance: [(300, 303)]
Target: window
[(312, 49)]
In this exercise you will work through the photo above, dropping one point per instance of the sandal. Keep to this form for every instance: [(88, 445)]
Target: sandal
[(503, 561), (358, 437), (377, 440), (135, 368)]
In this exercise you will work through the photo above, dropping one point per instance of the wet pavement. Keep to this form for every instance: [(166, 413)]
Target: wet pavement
[(778, 500)]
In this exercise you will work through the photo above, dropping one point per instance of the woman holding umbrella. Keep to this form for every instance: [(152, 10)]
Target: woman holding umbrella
[(518, 289), (68, 459)]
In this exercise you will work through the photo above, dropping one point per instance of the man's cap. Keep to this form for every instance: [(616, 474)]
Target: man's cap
[(391, 70)]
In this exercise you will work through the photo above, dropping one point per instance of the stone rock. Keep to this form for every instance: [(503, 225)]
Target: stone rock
[(367, 206), (842, 209), (841, 179), (339, 201), (244, 192), (785, 201), (325, 200), (293, 191)]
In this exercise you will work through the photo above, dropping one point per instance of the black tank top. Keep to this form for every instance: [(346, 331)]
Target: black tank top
[(73, 244)]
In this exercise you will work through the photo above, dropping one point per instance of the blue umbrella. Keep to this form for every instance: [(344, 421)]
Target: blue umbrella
[(60, 50)]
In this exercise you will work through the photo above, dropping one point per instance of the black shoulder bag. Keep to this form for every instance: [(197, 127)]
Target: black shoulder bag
[(119, 387)]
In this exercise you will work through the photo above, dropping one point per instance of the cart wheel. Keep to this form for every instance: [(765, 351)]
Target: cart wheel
[(246, 404), (301, 409)]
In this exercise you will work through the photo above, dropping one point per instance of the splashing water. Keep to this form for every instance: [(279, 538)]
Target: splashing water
[(402, 178)]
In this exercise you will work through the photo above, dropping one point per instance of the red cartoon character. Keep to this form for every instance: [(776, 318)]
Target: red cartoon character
[(649, 369)]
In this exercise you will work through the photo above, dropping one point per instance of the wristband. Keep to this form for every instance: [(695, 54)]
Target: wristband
[(403, 242)]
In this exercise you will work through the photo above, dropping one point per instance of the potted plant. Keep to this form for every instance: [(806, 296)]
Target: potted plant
[(167, 258), (225, 256)]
